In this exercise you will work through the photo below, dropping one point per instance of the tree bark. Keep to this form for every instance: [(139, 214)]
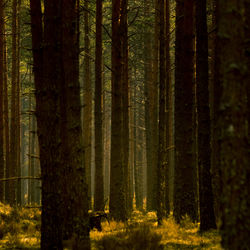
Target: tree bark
[(13, 125), (77, 224), (247, 53), (1, 99), (117, 203), (47, 82), (154, 105), (87, 100), (99, 188), (233, 132), (6, 116), (184, 191), (162, 152), (18, 111), (125, 102), (148, 59), (168, 106), (207, 217)]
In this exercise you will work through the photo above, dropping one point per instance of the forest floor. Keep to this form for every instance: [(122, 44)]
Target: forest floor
[(20, 229)]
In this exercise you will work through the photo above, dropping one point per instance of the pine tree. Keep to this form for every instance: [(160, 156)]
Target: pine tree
[(1, 100), (184, 184), (87, 100), (6, 116), (233, 132), (13, 124), (168, 106), (207, 217), (162, 153), (48, 112), (117, 203), (99, 188)]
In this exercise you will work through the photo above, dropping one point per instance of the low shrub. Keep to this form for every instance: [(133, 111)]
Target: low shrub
[(133, 238)]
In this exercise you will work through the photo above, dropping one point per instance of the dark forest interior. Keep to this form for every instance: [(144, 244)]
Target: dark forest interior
[(124, 124)]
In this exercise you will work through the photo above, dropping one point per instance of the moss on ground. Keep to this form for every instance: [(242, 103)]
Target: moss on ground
[(20, 229)]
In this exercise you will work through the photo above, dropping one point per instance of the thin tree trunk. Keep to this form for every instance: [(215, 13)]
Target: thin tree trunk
[(125, 101), (148, 105), (215, 90), (99, 188), (87, 99), (13, 125), (138, 149), (168, 106), (1, 100), (131, 149), (29, 147), (162, 153), (135, 179), (18, 126), (105, 146), (6, 118), (154, 105), (247, 53), (32, 159)]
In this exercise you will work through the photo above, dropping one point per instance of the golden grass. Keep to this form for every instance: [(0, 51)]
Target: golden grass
[(21, 228), (172, 235)]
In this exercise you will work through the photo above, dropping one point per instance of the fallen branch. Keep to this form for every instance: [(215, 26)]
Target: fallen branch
[(21, 178)]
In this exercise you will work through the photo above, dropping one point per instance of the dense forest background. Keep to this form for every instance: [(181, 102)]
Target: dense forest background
[(120, 109)]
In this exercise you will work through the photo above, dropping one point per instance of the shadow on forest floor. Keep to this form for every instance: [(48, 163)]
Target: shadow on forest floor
[(20, 229), (142, 233)]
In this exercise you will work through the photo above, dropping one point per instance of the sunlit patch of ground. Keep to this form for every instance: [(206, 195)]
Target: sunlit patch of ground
[(20, 229), (142, 229)]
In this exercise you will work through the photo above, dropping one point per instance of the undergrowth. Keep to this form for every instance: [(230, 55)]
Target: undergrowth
[(20, 229)]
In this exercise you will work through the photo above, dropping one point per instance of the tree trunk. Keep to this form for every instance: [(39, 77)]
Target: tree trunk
[(32, 159), (148, 107), (215, 90), (87, 100), (13, 130), (162, 153), (117, 203), (125, 101), (168, 106), (47, 108), (106, 129), (207, 217), (233, 132), (184, 191), (154, 106), (77, 224), (247, 53), (131, 149), (1, 100), (29, 148), (18, 118), (64, 189), (99, 188), (6, 117)]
